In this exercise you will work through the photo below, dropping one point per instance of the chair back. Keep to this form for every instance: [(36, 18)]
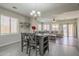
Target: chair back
[(32, 37), (23, 36)]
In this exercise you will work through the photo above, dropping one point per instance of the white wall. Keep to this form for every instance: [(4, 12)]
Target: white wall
[(78, 32), (68, 15), (8, 39)]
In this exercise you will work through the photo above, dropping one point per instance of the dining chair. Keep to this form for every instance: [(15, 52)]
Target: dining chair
[(24, 41), (33, 43)]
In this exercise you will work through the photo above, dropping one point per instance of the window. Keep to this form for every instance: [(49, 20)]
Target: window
[(5, 25), (14, 25), (39, 27), (8, 25), (55, 27), (46, 27)]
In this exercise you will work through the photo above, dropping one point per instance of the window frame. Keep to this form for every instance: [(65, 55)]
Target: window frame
[(55, 27), (47, 25), (41, 27), (17, 25)]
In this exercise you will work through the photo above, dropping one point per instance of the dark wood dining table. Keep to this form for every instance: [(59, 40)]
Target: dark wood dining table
[(41, 38)]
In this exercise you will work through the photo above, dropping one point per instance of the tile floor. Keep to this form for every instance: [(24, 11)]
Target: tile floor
[(57, 48)]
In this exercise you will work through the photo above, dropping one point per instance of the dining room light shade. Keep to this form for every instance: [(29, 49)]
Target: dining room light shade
[(38, 13), (31, 13), (35, 13)]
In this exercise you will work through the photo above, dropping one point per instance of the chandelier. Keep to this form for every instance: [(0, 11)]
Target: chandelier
[(35, 13)]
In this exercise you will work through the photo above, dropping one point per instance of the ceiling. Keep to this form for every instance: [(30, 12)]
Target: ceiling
[(46, 9)]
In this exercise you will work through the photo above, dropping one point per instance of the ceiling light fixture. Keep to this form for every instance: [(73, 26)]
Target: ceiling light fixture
[(31, 13), (54, 20), (38, 12), (14, 7), (35, 13)]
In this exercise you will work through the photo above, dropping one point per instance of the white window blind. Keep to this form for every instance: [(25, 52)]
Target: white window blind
[(39, 27), (8, 25), (5, 25), (46, 27), (55, 27), (14, 25)]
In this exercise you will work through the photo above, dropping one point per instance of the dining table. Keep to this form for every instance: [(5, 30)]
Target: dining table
[(41, 38)]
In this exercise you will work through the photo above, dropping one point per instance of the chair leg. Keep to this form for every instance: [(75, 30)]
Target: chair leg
[(48, 47), (39, 51), (36, 51), (29, 50), (27, 47), (22, 46)]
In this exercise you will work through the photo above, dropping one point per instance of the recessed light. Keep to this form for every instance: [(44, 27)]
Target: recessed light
[(14, 7)]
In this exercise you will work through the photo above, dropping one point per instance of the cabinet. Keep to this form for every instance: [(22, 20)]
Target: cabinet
[(24, 25)]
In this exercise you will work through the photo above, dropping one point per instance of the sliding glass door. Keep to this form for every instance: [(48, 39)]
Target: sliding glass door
[(65, 30), (71, 30), (46, 27), (68, 30)]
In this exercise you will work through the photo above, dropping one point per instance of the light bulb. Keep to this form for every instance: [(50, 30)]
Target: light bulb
[(38, 12), (33, 11), (35, 15)]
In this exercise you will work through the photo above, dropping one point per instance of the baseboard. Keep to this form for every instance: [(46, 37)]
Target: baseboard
[(9, 43)]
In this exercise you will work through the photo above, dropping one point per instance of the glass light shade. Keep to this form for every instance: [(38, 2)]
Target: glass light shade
[(33, 11), (38, 12)]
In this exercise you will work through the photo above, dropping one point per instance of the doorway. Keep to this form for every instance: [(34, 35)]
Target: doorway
[(68, 35), (68, 30)]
